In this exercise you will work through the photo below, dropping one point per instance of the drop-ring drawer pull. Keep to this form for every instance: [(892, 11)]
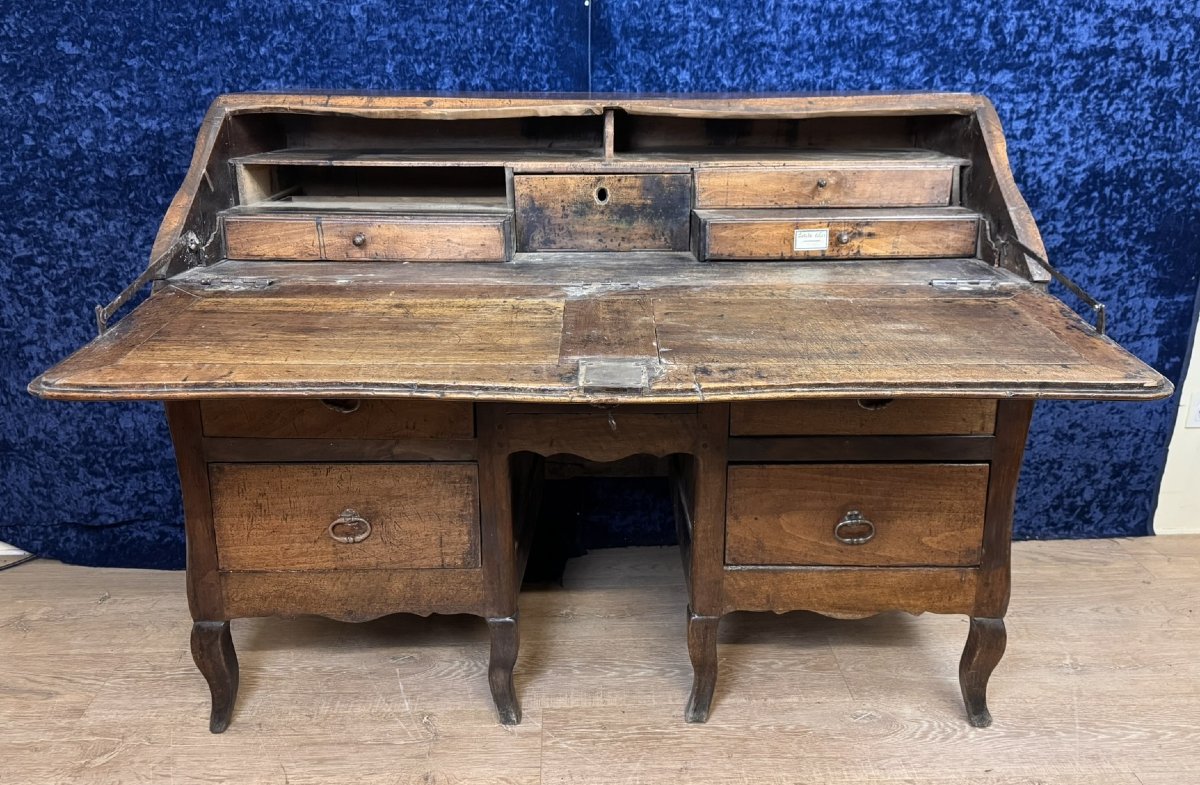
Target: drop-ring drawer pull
[(341, 405), (349, 527), (854, 529)]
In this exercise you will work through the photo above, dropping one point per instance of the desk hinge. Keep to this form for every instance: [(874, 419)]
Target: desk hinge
[(187, 244), (1099, 310), (969, 285)]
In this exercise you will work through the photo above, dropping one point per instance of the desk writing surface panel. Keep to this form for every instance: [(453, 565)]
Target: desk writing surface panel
[(517, 332)]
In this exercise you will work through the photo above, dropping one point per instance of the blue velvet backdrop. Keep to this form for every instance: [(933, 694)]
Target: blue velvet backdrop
[(1100, 102)]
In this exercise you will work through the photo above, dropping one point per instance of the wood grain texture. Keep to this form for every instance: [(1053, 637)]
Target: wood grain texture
[(823, 186), (605, 212), (863, 417), (104, 691), (277, 516), (879, 234), (250, 418), (850, 592), (920, 514), (818, 330), (432, 237)]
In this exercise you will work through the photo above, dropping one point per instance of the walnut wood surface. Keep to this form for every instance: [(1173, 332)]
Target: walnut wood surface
[(444, 237), (309, 419), (923, 514), (276, 516), (828, 329), (606, 212), (850, 592), (901, 233), (858, 417), (927, 185)]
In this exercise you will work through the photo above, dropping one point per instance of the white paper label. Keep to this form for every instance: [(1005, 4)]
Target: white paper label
[(810, 240)]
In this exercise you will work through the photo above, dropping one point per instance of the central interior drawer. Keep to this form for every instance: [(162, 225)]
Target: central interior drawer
[(863, 515), (913, 233), (338, 515), (605, 212)]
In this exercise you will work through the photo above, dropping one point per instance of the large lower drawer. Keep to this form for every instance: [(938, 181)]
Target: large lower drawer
[(606, 212), (429, 237), (864, 515), (864, 417), (333, 516), (337, 418), (835, 234)]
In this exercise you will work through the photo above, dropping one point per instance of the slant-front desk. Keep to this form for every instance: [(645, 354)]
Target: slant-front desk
[(374, 318)]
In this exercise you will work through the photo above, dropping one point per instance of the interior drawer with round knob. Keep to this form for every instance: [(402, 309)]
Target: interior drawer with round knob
[(912, 233), (329, 516), (604, 212), (903, 184), (411, 237), (865, 417), (862, 515)]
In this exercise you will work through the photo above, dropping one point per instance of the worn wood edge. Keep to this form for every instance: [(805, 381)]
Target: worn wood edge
[(237, 449), (352, 594), (860, 448), (850, 591)]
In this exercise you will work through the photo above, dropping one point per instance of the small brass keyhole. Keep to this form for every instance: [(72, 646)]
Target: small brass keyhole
[(601, 195)]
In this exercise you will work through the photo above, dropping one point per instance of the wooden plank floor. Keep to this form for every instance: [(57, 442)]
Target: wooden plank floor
[(1101, 685)]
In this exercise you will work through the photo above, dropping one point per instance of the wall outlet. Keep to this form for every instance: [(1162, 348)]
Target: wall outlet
[(1193, 413)]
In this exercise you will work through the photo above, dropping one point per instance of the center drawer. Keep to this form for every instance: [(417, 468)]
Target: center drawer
[(862, 515), (273, 517), (606, 212)]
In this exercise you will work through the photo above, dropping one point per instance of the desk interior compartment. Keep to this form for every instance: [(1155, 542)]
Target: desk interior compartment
[(900, 233)]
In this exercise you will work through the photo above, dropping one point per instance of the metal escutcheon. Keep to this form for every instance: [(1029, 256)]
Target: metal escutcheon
[(854, 529), (349, 528)]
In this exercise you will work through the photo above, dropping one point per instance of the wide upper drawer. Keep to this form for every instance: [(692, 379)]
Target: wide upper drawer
[(332, 516), (864, 515), (337, 418), (835, 234), (607, 212), (927, 185), (411, 237), (864, 417)]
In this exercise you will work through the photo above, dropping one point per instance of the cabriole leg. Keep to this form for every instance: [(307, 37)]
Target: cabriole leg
[(212, 649), (985, 647), (505, 641), (702, 648)]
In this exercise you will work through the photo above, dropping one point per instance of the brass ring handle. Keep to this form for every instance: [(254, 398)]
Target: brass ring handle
[(341, 405), (349, 528), (854, 529), (875, 404)]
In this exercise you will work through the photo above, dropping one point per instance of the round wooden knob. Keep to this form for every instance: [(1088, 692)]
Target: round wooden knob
[(854, 529), (349, 528), (359, 240)]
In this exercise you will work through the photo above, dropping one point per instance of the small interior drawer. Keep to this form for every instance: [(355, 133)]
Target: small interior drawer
[(337, 418), (863, 515), (412, 237), (607, 212), (814, 186), (912, 233), (332, 516), (864, 417)]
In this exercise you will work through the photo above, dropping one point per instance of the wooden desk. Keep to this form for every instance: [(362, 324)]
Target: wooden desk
[(374, 318)]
